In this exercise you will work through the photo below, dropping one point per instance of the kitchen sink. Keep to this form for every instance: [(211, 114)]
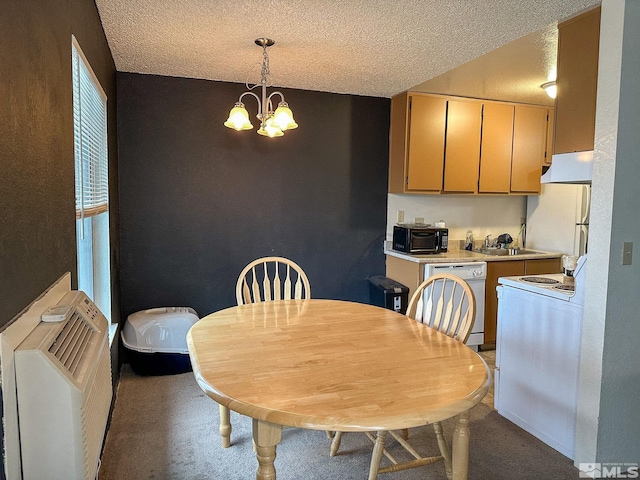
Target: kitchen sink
[(505, 251)]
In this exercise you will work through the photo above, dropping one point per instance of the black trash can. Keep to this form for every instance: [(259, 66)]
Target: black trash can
[(386, 292)]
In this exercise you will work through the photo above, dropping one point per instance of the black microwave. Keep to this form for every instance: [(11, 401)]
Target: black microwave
[(420, 239)]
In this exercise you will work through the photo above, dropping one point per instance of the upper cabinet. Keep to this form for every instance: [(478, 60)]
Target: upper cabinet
[(462, 152), (441, 144), (425, 133), (497, 141), (529, 148), (575, 109)]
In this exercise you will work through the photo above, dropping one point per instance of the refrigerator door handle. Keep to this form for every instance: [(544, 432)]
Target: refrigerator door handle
[(584, 205), (581, 239)]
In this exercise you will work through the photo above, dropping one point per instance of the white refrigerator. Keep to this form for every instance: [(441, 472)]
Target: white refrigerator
[(558, 219)]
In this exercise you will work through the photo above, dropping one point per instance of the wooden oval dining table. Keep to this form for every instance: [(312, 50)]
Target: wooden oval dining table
[(336, 366)]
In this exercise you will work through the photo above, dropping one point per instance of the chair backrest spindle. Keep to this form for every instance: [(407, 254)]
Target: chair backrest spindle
[(266, 285), (445, 303), (277, 288), (255, 287)]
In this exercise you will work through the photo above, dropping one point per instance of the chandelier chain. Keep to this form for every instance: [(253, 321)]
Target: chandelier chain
[(265, 65)]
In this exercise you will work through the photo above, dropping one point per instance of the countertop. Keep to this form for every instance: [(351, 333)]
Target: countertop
[(457, 256)]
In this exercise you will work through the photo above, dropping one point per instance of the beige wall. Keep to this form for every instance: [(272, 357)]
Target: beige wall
[(608, 423), (483, 215)]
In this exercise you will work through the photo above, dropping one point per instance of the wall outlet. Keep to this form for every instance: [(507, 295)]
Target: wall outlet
[(418, 220), (400, 216)]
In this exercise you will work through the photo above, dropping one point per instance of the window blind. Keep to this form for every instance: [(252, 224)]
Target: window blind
[(90, 132)]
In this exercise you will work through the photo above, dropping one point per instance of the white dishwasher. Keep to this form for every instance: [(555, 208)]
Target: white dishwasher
[(475, 274)]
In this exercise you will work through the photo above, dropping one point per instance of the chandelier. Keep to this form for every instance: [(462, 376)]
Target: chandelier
[(272, 123)]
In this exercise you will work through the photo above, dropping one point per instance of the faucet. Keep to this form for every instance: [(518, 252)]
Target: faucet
[(487, 242)]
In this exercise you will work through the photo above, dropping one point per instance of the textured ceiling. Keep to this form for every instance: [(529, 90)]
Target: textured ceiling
[(513, 72), (361, 47)]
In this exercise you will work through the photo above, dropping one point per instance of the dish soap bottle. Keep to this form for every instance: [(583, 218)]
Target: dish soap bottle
[(468, 244)]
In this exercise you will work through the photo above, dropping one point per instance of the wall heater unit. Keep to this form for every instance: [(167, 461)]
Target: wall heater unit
[(63, 383)]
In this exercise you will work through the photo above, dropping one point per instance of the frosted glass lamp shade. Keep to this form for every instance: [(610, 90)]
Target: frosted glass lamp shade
[(283, 117), (270, 129), (238, 118)]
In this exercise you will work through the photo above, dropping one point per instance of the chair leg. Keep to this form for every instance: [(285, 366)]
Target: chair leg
[(444, 448), (376, 456), (335, 443), (225, 426)]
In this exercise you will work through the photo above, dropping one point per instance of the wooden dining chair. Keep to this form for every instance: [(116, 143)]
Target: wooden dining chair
[(263, 280), (445, 303), (272, 278)]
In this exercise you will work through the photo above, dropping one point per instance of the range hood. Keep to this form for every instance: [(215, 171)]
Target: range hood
[(569, 168)]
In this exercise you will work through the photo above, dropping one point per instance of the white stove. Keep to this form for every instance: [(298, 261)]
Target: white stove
[(538, 354), (552, 285)]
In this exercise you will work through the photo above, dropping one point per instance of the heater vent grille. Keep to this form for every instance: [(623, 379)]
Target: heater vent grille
[(71, 345)]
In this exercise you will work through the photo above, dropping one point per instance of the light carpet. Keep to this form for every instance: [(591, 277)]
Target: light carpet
[(165, 427)]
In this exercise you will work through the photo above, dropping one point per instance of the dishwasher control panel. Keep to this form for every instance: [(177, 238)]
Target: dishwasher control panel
[(466, 271)]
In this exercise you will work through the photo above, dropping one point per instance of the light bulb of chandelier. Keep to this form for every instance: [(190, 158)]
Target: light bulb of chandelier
[(238, 118), (269, 129), (283, 117)]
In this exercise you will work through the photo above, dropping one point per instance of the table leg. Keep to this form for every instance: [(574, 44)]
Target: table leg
[(225, 426), (461, 447), (376, 456), (266, 436)]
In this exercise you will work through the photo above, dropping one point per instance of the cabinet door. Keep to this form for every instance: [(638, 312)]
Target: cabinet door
[(425, 156), (578, 43), (550, 130), (495, 156), (542, 266), (462, 157), (398, 143), (495, 270), (529, 146)]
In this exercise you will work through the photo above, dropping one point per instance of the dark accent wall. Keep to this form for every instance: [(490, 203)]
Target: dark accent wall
[(198, 201), (37, 204), (37, 212)]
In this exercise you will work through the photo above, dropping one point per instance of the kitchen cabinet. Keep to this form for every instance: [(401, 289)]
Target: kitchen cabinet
[(542, 266), (577, 80), (550, 130), (497, 141), (410, 274), (416, 153), (514, 148), (445, 145), (510, 268), (462, 153), (529, 148)]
